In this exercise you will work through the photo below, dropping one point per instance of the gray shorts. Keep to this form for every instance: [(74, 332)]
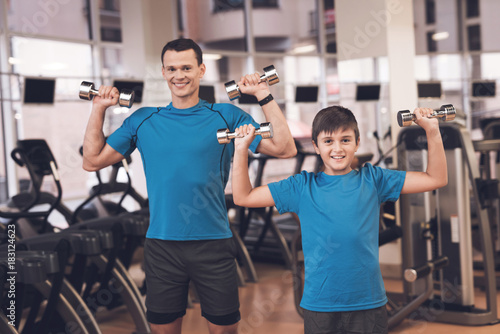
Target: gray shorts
[(209, 264), (365, 321)]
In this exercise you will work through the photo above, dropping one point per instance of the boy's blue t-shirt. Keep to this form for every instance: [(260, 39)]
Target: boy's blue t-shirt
[(339, 221), (186, 168)]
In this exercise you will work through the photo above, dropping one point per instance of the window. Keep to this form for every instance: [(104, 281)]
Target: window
[(64, 121), (331, 39), (489, 65), (472, 8), (111, 5), (226, 5), (431, 43), (35, 57), (430, 11), (112, 61), (474, 37), (110, 19)]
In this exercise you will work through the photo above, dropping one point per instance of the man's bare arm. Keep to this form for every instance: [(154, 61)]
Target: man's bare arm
[(96, 153)]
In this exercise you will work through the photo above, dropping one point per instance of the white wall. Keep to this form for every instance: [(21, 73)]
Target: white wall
[(489, 10), (45, 17), (290, 20)]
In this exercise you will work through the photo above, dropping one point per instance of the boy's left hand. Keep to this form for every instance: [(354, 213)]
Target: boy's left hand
[(246, 134), (422, 119)]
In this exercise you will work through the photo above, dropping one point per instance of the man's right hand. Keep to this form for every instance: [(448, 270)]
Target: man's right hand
[(108, 96)]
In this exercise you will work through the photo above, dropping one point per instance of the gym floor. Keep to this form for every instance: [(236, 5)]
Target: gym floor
[(268, 307)]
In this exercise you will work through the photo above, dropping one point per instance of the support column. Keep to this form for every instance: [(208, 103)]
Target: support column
[(382, 28), (146, 27), (8, 120)]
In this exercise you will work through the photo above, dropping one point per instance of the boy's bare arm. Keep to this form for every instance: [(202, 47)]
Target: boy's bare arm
[(243, 193), (436, 175), (96, 153)]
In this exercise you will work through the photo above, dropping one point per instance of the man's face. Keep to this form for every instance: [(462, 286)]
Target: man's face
[(182, 72)]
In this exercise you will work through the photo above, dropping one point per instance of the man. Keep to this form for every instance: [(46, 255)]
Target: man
[(186, 172)]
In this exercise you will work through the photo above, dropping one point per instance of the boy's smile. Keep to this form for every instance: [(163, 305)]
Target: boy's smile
[(337, 150)]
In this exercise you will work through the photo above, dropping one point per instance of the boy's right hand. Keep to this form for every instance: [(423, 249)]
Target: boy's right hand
[(246, 134), (422, 119), (108, 96)]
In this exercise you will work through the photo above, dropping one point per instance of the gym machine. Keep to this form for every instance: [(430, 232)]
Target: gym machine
[(36, 156), (39, 275), (96, 206), (438, 224), (111, 231), (489, 149)]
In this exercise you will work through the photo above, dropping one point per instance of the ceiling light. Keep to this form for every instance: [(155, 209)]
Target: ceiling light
[(212, 56), (304, 48), (14, 61), (439, 36)]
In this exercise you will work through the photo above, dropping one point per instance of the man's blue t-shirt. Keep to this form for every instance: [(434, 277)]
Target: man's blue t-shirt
[(186, 168), (339, 220)]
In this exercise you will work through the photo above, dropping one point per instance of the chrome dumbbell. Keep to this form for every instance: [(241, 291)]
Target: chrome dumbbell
[(270, 75), (265, 130), (447, 112), (87, 92)]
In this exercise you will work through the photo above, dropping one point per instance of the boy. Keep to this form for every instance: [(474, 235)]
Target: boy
[(339, 217)]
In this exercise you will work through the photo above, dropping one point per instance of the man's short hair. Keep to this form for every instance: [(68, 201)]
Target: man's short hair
[(183, 44), (332, 119)]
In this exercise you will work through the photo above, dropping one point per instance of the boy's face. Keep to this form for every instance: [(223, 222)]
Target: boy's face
[(182, 72), (337, 150)]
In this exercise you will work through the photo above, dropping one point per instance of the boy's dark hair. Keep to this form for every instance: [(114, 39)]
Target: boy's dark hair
[(332, 119), (183, 44)]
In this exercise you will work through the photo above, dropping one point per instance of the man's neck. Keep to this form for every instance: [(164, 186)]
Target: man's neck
[(184, 103)]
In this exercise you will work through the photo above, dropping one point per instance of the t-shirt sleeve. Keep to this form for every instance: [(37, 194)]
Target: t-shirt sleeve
[(286, 193), (389, 182), (123, 139), (242, 118)]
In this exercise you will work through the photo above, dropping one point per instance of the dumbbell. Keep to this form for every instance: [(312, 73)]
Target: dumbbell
[(265, 130), (87, 92), (447, 112), (270, 75)]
